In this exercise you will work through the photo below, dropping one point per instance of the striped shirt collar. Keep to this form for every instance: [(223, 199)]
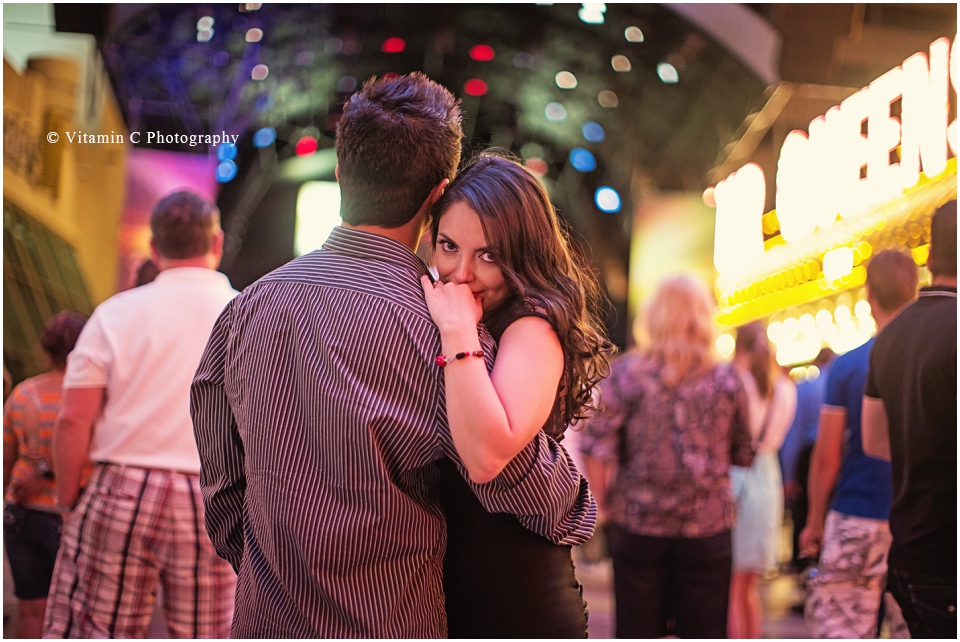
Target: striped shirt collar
[(377, 247)]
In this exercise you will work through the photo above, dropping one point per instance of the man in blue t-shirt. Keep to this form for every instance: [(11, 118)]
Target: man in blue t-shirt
[(854, 537)]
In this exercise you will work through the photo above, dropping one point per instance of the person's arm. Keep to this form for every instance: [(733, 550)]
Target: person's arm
[(79, 408), (824, 466), (875, 430), (492, 417), (222, 481), (599, 473), (741, 439)]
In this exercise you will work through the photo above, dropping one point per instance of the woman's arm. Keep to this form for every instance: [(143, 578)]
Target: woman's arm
[(493, 416)]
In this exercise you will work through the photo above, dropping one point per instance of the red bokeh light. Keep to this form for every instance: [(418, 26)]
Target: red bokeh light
[(306, 146), (482, 53), (537, 166), (390, 75), (393, 45), (475, 87)]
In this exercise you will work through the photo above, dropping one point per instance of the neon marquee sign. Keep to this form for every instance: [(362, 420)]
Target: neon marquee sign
[(842, 165)]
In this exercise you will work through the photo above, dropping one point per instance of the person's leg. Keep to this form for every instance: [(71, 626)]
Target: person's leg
[(30, 618), (928, 602), (701, 582), (198, 585), (845, 596), (745, 608), (639, 584), (104, 582)]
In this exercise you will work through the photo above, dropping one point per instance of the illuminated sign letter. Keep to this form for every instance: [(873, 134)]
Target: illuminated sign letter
[(854, 153), (883, 135), (738, 242), (925, 109), (794, 194)]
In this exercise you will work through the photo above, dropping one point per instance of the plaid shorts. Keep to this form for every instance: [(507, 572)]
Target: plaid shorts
[(133, 529)]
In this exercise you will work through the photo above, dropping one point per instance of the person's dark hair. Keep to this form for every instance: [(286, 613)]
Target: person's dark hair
[(396, 140), (752, 341), (825, 356), (943, 241), (60, 336), (147, 272), (184, 225), (892, 279), (535, 255)]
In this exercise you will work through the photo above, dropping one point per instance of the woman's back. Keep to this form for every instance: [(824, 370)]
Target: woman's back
[(674, 445)]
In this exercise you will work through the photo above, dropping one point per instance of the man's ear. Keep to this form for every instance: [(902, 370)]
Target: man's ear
[(336, 172), (437, 191), (155, 255), (216, 246)]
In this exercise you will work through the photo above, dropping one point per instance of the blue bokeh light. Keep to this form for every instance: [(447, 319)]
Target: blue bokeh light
[(226, 151), (582, 160), (608, 200), (264, 137), (593, 132), (226, 171)]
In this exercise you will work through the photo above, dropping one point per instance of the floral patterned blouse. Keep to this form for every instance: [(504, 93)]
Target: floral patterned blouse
[(672, 447)]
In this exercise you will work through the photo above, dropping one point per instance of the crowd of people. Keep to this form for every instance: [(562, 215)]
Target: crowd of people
[(359, 445)]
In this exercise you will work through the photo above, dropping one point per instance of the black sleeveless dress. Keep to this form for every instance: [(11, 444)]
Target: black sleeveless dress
[(500, 579)]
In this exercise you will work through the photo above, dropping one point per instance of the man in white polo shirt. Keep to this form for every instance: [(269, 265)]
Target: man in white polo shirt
[(126, 405)]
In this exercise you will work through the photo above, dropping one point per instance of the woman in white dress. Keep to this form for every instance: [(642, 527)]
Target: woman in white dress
[(758, 490)]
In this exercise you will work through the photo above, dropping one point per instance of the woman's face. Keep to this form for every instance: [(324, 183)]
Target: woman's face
[(461, 256)]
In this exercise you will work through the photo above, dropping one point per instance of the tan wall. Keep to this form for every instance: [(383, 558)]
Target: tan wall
[(75, 189)]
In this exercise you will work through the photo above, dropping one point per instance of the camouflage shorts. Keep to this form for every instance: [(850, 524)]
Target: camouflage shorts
[(844, 598)]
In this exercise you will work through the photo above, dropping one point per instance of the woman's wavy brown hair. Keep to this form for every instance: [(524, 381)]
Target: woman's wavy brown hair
[(534, 252)]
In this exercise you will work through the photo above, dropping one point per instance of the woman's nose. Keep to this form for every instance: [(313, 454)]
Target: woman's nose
[(464, 272)]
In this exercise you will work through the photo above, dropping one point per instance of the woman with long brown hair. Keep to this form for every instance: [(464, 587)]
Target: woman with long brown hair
[(673, 420), (504, 259), (758, 490)]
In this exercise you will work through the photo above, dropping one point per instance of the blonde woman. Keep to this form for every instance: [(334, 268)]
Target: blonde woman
[(672, 423)]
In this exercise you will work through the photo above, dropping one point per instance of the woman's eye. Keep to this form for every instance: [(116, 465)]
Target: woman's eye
[(488, 257), (447, 246)]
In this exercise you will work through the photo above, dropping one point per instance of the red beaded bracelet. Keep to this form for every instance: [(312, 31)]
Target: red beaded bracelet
[(442, 360)]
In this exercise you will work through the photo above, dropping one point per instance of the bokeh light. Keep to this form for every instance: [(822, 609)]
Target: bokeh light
[(393, 45), (264, 137), (306, 146), (566, 80), (582, 160), (555, 112), (668, 73), (226, 151), (607, 98), (259, 72), (226, 171), (621, 63), (608, 200), (482, 53), (593, 132), (633, 34), (475, 87), (254, 35)]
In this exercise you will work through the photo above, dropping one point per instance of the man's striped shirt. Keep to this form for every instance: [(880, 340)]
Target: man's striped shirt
[(318, 413)]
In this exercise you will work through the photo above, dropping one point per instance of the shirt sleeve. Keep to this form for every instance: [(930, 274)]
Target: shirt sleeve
[(222, 480), (833, 393), (88, 365), (872, 389), (541, 485), (601, 434)]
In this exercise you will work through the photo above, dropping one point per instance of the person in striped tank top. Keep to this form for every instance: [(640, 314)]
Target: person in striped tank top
[(31, 516)]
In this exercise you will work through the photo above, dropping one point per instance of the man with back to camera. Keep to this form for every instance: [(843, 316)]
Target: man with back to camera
[(845, 596), (910, 419), (140, 520), (319, 409)]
